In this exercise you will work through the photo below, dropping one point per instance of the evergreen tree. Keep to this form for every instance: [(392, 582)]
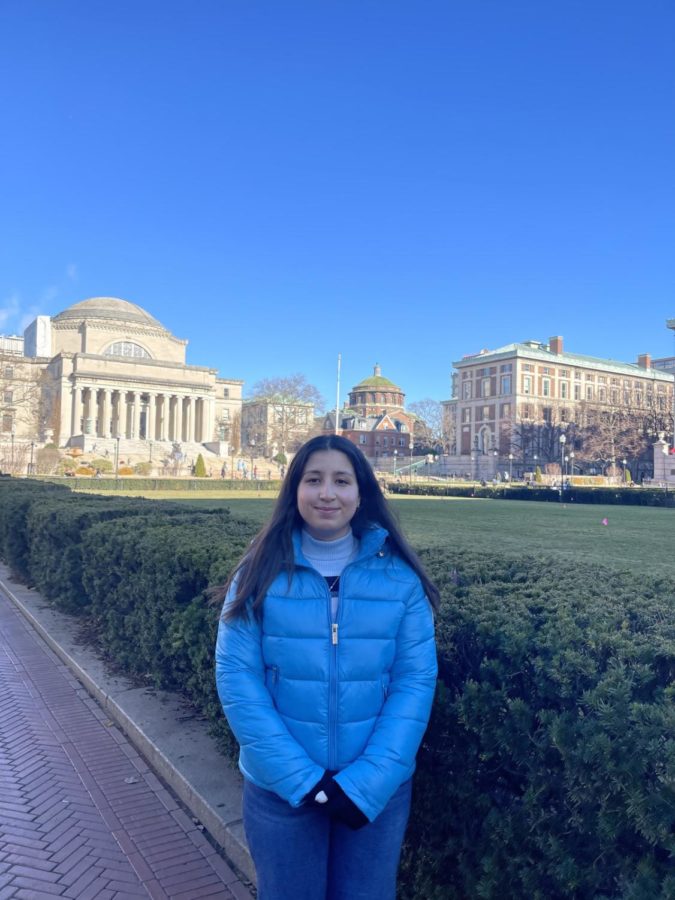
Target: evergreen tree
[(200, 467)]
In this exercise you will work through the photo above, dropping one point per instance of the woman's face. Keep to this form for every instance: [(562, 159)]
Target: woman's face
[(328, 494)]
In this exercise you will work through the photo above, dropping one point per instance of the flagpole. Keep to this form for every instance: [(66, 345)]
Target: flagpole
[(337, 396)]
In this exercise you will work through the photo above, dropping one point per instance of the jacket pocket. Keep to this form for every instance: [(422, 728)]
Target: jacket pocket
[(272, 680), (385, 686)]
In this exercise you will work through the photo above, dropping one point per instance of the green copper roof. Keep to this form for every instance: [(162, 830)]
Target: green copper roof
[(377, 381)]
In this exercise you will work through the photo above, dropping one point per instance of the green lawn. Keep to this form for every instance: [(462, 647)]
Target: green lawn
[(638, 539)]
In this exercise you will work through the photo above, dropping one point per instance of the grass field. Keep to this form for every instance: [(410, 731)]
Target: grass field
[(637, 539)]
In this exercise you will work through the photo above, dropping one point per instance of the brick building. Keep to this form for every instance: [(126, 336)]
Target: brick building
[(498, 394), (374, 418)]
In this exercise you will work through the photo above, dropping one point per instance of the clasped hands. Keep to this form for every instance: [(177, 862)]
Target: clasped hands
[(328, 796)]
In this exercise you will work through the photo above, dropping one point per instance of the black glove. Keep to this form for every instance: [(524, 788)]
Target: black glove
[(329, 797)]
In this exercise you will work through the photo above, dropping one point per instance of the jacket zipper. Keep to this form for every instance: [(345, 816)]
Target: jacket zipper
[(333, 683), (332, 670)]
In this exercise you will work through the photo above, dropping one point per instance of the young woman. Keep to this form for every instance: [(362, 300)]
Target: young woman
[(326, 668)]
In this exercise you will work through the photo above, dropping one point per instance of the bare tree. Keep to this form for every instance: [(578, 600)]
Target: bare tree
[(431, 426), (287, 406), (23, 407), (611, 433)]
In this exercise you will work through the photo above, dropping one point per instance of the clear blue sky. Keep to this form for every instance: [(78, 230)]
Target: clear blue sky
[(401, 182)]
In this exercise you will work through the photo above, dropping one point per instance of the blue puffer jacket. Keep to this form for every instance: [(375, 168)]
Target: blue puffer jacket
[(303, 695)]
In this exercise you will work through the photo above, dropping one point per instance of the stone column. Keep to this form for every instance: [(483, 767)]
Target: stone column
[(178, 420), (190, 419), (199, 419), (76, 411), (150, 419), (104, 416), (209, 419), (136, 434), (160, 417)]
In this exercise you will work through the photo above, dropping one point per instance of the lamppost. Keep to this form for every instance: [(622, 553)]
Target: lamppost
[(32, 448), (12, 451), (252, 448), (495, 453), (117, 457), (535, 466), (410, 447), (473, 464), (567, 468), (510, 467), (571, 463), (563, 441), (625, 463), (395, 455)]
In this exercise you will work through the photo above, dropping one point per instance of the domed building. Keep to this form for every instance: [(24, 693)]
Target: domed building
[(376, 395), (374, 418), (108, 370)]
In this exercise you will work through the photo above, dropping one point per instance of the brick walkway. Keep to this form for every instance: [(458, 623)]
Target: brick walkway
[(81, 814)]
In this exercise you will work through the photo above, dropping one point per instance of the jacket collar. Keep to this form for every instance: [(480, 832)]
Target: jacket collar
[(371, 541)]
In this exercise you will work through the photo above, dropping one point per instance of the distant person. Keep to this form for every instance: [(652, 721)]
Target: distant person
[(326, 669)]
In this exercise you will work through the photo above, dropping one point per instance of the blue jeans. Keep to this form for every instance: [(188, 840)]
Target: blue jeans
[(300, 854)]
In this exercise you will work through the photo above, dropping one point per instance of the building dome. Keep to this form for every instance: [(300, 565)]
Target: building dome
[(376, 381), (107, 308)]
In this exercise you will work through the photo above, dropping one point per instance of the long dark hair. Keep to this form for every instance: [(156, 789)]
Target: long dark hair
[(271, 551)]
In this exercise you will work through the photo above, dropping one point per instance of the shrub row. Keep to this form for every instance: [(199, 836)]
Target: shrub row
[(604, 495), (548, 769), (127, 484)]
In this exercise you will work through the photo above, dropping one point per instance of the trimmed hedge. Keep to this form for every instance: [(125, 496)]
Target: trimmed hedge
[(128, 484), (552, 736), (548, 769), (604, 495)]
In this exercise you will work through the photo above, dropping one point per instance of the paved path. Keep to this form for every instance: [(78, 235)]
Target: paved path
[(81, 814)]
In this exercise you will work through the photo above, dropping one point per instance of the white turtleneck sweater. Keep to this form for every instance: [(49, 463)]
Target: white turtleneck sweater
[(329, 559)]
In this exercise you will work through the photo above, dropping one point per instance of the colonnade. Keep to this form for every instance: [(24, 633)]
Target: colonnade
[(141, 414)]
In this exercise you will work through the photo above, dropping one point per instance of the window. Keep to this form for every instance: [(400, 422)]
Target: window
[(466, 390), (577, 376), (466, 415), (363, 439), (401, 442), (564, 373), (9, 372), (527, 367), (614, 395), (577, 392), (589, 376), (525, 411), (546, 370), (127, 348), (546, 387), (507, 367), (602, 394), (7, 423), (8, 397), (564, 390), (485, 387), (602, 379), (527, 384), (547, 414), (505, 384), (226, 392), (564, 415), (589, 391), (386, 442)]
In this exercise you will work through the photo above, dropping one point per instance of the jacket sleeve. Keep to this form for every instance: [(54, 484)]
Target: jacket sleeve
[(270, 755), (389, 756)]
